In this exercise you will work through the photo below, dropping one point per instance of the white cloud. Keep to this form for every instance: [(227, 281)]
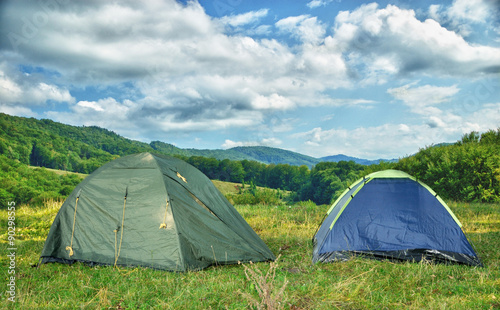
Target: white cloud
[(317, 3), (393, 41), (463, 16), (476, 11), (17, 110), (399, 139), (435, 12), (28, 91), (366, 142), (484, 118), (425, 101), (386, 141), (272, 142), (244, 19), (274, 102), (9, 90), (423, 96), (230, 144), (92, 105), (107, 113), (304, 27)]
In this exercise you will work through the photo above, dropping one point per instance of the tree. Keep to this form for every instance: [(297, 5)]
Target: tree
[(231, 171)]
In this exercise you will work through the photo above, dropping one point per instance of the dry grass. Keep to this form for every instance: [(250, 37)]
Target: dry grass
[(271, 297)]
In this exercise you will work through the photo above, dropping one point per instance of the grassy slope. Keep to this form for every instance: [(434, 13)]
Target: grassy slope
[(61, 172), (224, 187), (357, 284)]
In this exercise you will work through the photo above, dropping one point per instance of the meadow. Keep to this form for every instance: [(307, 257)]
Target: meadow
[(293, 281)]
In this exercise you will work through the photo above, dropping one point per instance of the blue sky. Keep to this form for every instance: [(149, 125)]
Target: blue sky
[(322, 77)]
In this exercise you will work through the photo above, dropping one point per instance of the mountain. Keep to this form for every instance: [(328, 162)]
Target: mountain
[(84, 148), (366, 162), (219, 154), (271, 155)]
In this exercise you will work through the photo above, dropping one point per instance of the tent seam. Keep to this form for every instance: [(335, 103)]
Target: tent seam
[(181, 255)]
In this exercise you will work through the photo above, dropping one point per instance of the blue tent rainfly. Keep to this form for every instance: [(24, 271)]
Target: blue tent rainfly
[(391, 215)]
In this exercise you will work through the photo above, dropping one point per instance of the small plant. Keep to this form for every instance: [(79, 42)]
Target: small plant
[(271, 297)]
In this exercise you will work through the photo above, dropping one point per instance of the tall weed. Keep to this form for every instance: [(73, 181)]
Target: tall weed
[(271, 297)]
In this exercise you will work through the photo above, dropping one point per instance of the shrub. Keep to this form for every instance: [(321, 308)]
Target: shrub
[(256, 196), (466, 171)]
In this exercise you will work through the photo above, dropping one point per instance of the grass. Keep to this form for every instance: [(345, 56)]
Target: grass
[(60, 172), (287, 230)]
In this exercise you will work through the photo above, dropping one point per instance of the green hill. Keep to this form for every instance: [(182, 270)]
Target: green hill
[(270, 155), (83, 149)]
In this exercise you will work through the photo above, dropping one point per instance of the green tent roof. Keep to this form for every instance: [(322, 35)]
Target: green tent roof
[(390, 174), (152, 211)]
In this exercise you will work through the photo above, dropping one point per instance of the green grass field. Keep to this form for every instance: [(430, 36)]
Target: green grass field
[(356, 284)]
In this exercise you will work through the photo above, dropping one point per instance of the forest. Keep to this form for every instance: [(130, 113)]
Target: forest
[(468, 170)]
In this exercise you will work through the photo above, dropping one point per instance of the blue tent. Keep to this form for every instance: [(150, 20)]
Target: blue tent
[(391, 215)]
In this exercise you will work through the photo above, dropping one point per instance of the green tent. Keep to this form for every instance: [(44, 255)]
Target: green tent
[(152, 211)]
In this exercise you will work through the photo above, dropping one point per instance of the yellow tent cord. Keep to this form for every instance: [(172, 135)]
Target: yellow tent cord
[(181, 177), (121, 234), (70, 247), (115, 231), (164, 224)]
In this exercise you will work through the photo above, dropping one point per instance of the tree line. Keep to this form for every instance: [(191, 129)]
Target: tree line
[(318, 184), (468, 170)]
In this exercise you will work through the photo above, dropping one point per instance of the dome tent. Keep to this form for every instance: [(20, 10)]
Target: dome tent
[(151, 211), (391, 215)]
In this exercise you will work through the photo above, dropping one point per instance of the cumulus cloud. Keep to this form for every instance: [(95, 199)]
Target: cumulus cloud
[(105, 41), (476, 11), (274, 101), (244, 19), (24, 91), (421, 96), (396, 139), (271, 142), (107, 113), (365, 142), (304, 27), (372, 36), (486, 117), (188, 72), (462, 16), (435, 125), (248, 23), (318, 3), (425, 100)]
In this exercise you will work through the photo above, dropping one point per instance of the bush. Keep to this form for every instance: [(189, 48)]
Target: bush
[(255, 197), (466, 171)]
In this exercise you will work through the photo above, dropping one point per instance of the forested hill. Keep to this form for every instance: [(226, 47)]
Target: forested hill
[(83, 149), (468, 170)]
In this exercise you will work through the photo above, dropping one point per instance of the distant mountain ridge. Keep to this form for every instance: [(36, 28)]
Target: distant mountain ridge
[(263, 154), (367, 162), (30, 138)]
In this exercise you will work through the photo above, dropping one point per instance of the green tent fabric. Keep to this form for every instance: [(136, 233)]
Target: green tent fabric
[(151, 211)]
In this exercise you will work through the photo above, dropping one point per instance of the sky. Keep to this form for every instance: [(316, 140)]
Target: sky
[(319, 77)]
